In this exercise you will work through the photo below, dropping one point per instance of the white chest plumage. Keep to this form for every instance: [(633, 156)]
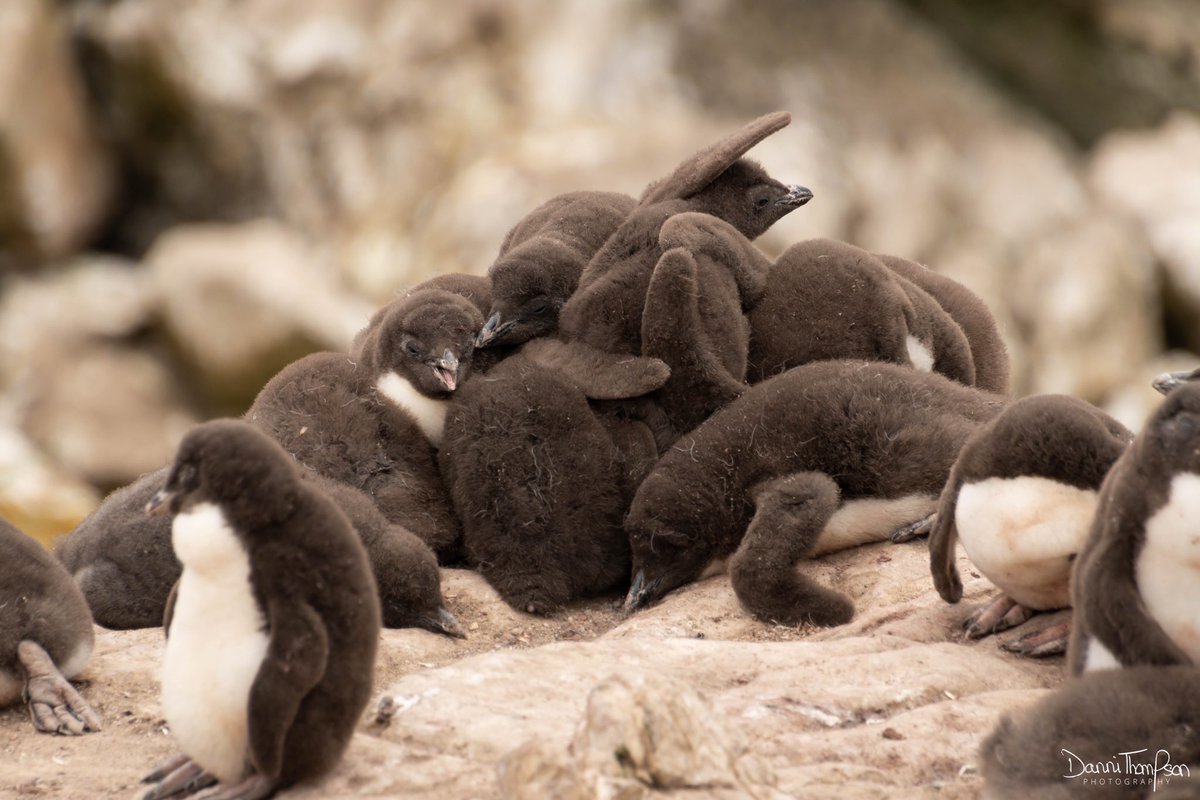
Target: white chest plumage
[(216, 644), (871, 519), (920, 355), (429, 412), (1021, 533), (1168, 566)]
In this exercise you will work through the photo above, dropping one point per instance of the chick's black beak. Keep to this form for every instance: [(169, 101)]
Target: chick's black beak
[(493, 331), (446, 370), (444, 623), (641, 592), (1169, 381), (796, 197), (160, 503)]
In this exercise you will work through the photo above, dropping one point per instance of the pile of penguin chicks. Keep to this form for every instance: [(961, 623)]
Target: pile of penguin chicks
[(632, 394)]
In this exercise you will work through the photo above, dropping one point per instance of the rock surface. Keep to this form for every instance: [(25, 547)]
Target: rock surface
[(895, 703)]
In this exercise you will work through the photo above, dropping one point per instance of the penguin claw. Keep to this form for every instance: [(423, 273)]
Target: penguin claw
[(913, 530), (178, 777), (54, 704), (1050, 641), (256, 787), (999, 615)]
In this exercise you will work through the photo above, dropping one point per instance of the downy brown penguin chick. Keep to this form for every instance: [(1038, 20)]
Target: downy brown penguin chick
[(123, 562), (541, 481), (121, 559), (606, 311), (1021, 498), (1136, 580), (541, 260), (989, 354), (823, 299), (45, 636), (375, 422), (823, 457), (1131, 733), (273, 626), (405, 569)]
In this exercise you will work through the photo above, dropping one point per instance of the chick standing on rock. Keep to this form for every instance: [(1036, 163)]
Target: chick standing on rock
[(273, 626), (826, 456), (541, 260), (46, 636), (1021, 497), (374, 420), (1136, 580)]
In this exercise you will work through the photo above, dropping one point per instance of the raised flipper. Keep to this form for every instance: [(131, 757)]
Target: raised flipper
[(706, 165), (791, 512), (672, 331)]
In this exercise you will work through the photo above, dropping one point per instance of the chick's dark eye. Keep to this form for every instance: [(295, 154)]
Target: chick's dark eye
[(412, 349), (761, 202), (540, 308)]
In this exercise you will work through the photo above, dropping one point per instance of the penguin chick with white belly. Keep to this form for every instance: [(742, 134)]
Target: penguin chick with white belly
[(272, 627), (1137, 582), (1021, 497), (45, 636)]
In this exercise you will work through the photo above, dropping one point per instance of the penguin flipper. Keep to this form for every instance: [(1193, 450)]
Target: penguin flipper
[(724, 244), (295, 662), (598, 374), (672, 331), (792, 510), (942, 540)]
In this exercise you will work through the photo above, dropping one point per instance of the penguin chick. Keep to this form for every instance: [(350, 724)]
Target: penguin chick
[(1021, 497), (1134, 590), (606, 311), (121, 559), (1136, 728), (988, 351), (541, 481), (375, 423), (405, 569), (826, 456), (46, 636), (541, 260), (273, 626), (826, 299)]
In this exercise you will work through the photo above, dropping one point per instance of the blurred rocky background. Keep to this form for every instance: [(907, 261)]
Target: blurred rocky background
[(195, 192)]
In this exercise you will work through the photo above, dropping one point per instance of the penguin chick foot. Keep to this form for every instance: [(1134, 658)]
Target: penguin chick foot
[(179, 776), (999, 615), (913, 530), (54, 705), (1050, 641), (255, 787)]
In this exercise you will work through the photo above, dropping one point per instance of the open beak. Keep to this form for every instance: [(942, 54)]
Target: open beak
[(1168, 381), (493, 331), (444, 623), (796, 197), (160, 503), (446, 370), (640, 592)]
